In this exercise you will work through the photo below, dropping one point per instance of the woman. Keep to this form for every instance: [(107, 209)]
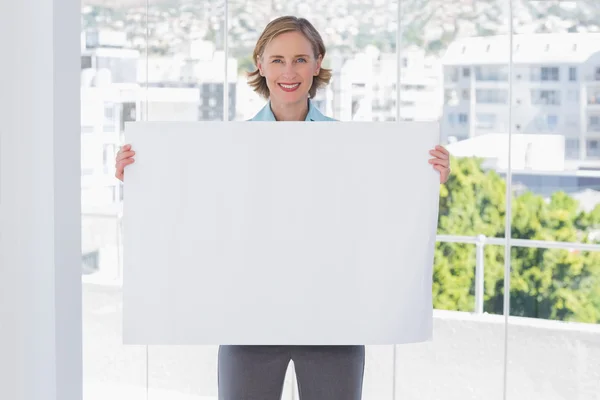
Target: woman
[(288, 57)]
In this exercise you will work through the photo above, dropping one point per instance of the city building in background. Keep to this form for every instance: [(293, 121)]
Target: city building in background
[(556, 89), (106, 53), (367, 86), (114, 90), (555, 110)]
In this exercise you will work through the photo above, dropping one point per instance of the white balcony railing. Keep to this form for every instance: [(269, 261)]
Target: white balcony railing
[(480, 241)]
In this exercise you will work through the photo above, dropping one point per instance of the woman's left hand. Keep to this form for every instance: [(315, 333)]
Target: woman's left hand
[(441, 162)]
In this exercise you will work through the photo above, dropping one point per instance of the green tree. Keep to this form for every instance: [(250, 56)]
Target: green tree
[(471, 203), (545, 283)]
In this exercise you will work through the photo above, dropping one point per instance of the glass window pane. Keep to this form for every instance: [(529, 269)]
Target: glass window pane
[(554, 309), (112, 52), (186, 82), (554, 297), (360, 51), (465, 359), (457, 74)]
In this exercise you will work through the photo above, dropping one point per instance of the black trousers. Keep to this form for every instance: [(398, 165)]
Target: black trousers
[(322, 372)]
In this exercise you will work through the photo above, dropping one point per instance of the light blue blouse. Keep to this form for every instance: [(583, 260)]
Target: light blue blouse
[(266, 114)]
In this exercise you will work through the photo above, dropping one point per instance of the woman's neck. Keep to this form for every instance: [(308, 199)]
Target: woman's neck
[(290, 112)]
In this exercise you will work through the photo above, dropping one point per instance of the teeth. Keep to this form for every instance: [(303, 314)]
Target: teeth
[(289, 86)]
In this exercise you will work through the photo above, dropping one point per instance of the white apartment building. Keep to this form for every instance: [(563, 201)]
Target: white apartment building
[(106, 51), (556, 89), (199, 64), (188, 87), (104, 112), (367, 86)]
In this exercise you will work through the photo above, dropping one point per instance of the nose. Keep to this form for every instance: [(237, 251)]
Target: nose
[(289, 70)]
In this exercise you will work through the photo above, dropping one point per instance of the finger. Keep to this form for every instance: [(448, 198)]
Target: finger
[(126, 161), (120, 169), (442, 149), (125, 147), (120, 166), (439, 161), (438, 154), (125, 155)]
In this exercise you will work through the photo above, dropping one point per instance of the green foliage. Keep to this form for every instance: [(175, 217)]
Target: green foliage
[(545, 283)]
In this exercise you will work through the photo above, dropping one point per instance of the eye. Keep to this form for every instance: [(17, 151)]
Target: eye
[(301, 59), (277, 60)]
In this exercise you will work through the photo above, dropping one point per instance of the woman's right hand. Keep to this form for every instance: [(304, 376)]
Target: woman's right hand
[(123, 159)]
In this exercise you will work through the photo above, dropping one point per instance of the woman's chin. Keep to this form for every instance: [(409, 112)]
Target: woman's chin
[(290, 97)]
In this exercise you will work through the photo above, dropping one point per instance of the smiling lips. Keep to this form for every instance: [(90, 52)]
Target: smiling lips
[(289, 87)]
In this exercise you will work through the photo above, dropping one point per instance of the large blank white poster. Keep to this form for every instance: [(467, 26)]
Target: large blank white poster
[(316, 233)]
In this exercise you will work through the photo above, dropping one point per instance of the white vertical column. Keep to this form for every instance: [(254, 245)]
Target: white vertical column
[(583, 107), (40, 254), (226, 66), (508, 198)]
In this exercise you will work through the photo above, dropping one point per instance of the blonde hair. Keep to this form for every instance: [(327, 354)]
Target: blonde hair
[(276, 28)]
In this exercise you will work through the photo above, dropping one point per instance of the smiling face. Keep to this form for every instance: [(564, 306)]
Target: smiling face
[(289, 65)]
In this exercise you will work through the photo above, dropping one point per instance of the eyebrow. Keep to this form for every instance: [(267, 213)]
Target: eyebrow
[(297, 55)]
